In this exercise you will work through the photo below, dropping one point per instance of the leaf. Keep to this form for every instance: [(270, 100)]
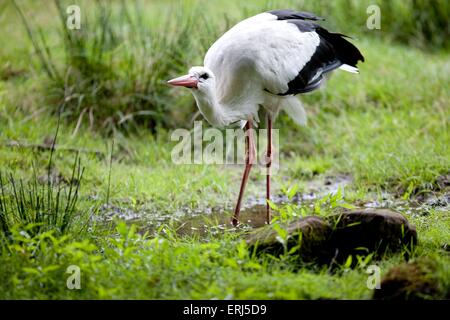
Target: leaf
[(242, 250), (353, 224), (338, 194), (409, 191), (346, 205), (292, 191), (122, 228), (253, 265), (50, 268), (272, 205), (348, 262), (368, 259), (231, 262), (294, 249), (280, 231), (31, 271)]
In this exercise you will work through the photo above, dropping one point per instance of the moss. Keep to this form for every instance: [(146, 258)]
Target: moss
[(332, 240), (310, 235), (417, 280), (363, 231)]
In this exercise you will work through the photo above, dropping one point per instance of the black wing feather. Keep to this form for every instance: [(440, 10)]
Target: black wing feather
[(286, 14), (332, 52)]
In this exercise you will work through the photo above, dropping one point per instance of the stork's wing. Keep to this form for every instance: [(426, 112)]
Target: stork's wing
[(285, 14), (280, 52), (333, 51)]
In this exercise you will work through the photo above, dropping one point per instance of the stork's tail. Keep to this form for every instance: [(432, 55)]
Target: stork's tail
[(346, 52), (295, 110)]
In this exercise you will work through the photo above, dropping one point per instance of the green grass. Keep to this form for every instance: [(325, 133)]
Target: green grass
[(46, 205), (386, 127), (111, 73)]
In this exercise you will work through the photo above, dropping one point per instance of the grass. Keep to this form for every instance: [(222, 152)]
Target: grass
[(387, 128), (89, 83), (49, 205), (85, 69), (40, 204)]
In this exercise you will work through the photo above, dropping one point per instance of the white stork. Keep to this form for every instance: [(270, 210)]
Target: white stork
[(262, 63)]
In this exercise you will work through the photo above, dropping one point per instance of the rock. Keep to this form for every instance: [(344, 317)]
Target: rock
[(410, 281), (314, 231), (370, 230), (332, 239)]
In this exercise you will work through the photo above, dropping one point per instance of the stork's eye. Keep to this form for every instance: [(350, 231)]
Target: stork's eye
[(204, 76)]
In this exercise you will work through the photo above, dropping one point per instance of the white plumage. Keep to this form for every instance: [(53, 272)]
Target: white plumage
[(263, 62), (263, 53), (258, 53)]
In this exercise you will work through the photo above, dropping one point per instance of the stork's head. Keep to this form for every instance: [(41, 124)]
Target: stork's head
[(198, 78)]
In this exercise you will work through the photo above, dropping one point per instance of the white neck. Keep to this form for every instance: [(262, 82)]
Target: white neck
[(213, 111)]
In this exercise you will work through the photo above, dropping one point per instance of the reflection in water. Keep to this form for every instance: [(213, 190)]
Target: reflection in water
[(204, 221), (215, 222)]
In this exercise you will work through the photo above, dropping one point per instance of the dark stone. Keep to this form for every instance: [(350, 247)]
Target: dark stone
[(332, 239), (409, 281), (314, 231), (366, 231)]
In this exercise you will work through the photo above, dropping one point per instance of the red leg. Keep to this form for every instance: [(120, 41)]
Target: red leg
[(268, 165), (249, 158)]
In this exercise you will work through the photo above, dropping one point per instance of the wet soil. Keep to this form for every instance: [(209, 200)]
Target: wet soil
[(204, 221)]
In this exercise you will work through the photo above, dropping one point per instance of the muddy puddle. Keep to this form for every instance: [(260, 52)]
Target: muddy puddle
[(211, 221), (204, 221), (201, 222), (218, 222)]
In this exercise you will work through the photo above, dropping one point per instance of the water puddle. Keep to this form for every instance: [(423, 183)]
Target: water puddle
[(414, 207), (216, 220)]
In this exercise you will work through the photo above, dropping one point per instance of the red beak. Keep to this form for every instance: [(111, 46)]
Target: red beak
[(184, 81)]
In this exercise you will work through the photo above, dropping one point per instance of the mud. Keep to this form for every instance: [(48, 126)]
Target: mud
[(214, 220)]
